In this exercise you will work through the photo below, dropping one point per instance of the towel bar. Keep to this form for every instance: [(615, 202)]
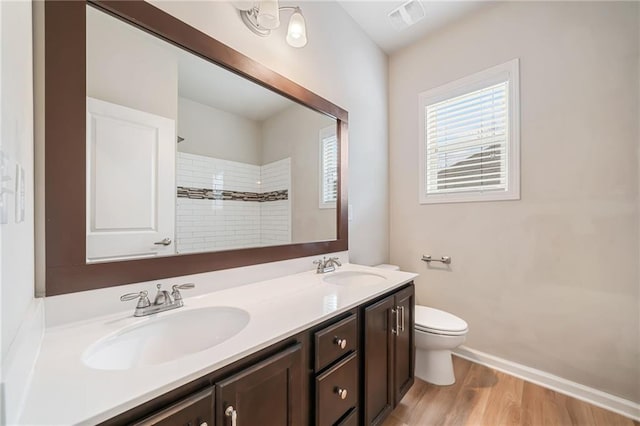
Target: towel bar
[(444, 259)]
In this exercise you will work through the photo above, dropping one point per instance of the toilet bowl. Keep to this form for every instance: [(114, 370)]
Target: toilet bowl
[(436, 334)]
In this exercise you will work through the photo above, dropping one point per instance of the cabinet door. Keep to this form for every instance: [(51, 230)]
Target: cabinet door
[(195, 410), (403, 343), (267, 393), (378, 361)]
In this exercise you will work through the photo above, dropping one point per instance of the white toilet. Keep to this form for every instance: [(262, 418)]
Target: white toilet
[(436, 334)]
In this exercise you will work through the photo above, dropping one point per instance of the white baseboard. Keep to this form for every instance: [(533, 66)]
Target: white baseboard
[(576, 390)]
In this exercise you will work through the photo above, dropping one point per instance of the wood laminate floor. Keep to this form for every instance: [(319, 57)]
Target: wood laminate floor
[(485, 397)]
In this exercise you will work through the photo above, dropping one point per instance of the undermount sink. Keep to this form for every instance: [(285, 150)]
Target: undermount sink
[(354, 278), (165, 339)]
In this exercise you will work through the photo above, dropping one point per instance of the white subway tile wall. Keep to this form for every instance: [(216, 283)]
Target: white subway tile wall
[(210, 225), (275, 216)]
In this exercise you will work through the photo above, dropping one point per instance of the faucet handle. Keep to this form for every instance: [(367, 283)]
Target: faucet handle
[(176, 290), (143, 300), (321, 264), (336, 260), (184, 286)]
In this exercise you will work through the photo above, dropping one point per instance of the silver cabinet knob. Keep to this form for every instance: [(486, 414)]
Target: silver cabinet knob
[(342, 393), (204, 424), (231, 412), (342, 343)]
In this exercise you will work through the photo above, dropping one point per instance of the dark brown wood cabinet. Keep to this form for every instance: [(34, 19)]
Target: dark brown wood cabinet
[(337, 391), (267, 393), (404, 346), (195, 410), (336, 366), (350, 370), (388, 353), (335, 341)]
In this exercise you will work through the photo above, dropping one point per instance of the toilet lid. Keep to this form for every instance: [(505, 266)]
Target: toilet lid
[(431, 319)]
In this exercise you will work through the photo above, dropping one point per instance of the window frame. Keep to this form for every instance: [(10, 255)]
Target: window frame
[(509, 72), (325, 133)]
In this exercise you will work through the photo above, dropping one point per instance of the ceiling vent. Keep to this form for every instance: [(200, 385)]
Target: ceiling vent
[(406, 15)]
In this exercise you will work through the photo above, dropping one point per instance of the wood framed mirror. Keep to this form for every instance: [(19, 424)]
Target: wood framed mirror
[(66, 169)]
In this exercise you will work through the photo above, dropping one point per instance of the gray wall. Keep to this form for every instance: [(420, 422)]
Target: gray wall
[(126, 68), (550, 281), (342, 65), (294, 133), (219, 134)]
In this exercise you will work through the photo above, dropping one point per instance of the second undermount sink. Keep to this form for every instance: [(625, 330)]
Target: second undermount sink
[(164, 339), (354, 278)]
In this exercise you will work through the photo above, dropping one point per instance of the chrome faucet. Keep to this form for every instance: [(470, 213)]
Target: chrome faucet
[(163, 301), (326, 265)]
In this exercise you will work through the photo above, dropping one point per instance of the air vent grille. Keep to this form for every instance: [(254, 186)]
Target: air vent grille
[(406, 15)]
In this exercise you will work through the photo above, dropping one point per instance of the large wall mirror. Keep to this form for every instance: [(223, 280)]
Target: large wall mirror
[(177, 154)]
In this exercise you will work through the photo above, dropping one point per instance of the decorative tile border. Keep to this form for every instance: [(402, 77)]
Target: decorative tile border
[(219, 194)]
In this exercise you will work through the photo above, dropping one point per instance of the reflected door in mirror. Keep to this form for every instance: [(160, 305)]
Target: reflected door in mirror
[(130, 180)]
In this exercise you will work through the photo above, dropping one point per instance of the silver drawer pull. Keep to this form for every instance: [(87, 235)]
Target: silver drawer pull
[(342, 393), (163, 242), (231, 412), (204, 424), (401, 308), (342, 343), (396, 327)]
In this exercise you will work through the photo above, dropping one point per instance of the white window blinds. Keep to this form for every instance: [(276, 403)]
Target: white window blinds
[(467, 142), (329, 170), (470, 138)]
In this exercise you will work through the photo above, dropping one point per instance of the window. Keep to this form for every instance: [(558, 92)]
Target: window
[(469, 138), (328, 167)]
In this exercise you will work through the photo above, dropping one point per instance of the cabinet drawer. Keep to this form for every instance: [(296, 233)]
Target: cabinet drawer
[(337, 391), (350, 419), (195, 410), (334, 341)]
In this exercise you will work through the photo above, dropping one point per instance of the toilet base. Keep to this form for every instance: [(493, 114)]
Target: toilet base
[(435, 367)]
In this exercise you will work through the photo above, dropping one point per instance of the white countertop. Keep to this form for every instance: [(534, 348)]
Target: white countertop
[(64, 391)]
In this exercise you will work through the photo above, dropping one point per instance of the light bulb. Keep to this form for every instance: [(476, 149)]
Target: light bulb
[(297, 31), (268, 14)]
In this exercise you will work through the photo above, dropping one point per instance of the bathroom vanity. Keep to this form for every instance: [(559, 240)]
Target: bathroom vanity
[(307, 348), (312, 353)]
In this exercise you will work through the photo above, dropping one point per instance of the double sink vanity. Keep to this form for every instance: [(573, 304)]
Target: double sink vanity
[(308, 348), (253, 171)]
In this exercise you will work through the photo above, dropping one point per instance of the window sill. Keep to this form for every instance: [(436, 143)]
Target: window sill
[(469, 197)]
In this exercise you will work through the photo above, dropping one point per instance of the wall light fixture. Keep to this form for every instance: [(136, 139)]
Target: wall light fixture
[(263, 16)]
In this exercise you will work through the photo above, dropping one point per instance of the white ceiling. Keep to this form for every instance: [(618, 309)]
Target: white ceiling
[(372, 17)]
